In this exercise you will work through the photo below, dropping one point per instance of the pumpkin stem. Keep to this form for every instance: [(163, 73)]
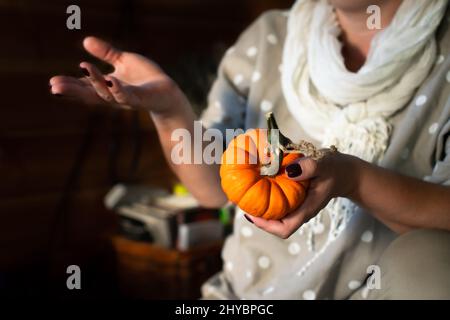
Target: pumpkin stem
[(284, 145), (272, 124), (276, 147)]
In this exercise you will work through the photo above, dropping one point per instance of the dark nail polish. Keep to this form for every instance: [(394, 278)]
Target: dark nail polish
[(109, 83), (248, 219), (59, 95), (85, 72), (293, 170)]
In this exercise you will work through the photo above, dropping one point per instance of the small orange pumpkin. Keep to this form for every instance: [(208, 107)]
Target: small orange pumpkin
[(269, 197)]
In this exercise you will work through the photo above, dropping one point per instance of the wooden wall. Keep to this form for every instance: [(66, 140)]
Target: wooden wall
[(58, 158)]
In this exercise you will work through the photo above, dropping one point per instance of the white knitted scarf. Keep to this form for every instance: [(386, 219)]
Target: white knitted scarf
[(352, 110)]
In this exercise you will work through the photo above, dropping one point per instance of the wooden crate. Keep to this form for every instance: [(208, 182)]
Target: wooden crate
[(147, 271)]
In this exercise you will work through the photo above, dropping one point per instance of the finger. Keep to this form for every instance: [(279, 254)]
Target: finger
[(79, 91), (97, 81), (302, 169), (275, 227), (102, 50), (122, 95), (285, 227), (66, 79), (314, 202)]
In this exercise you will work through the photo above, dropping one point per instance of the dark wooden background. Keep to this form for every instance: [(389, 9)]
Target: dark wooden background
[(58, 158)]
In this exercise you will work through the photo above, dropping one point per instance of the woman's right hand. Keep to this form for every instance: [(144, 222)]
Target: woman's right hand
[(136, 81), (139, 83)]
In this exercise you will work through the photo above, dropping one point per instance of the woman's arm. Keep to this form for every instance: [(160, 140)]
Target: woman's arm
[(400, 200), (202, 180), (402, 203), (138, 83)]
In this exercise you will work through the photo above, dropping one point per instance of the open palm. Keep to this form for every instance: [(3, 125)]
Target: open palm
[(136, 81)]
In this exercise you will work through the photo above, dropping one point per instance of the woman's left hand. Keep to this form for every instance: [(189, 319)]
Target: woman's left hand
[(334, 175)]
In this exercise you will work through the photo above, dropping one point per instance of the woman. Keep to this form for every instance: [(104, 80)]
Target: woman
[(380, 95)]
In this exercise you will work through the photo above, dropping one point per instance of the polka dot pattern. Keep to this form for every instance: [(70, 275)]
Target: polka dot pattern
[(354, 284), (269, 290), (318, 228), (246, 232), (256, 76), (448, 76), (365, 293), (237, 80), (421, 100), (272, 39), (264, 262), (367, 236), (294, 248), (252, 51), (433, 128), (309, 295), (266, 106)]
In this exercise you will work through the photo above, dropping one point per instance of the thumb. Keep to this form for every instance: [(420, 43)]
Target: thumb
[(302, 169), (101, 49)]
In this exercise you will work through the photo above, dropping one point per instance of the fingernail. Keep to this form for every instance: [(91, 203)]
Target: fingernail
[(109, 83), (293, 170), (85, 72), (59, 95), (248, 219)]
